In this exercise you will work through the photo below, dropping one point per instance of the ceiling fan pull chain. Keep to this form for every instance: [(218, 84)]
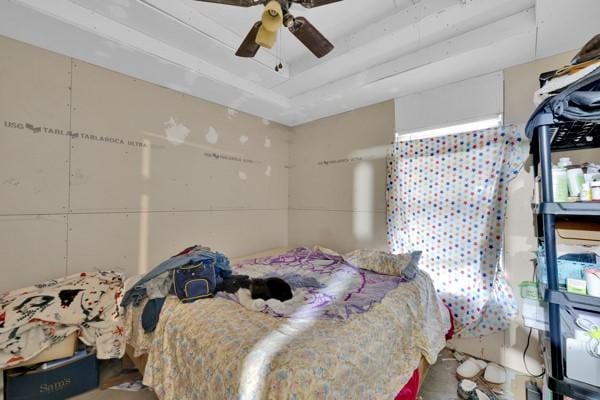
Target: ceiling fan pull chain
[(279, 67)]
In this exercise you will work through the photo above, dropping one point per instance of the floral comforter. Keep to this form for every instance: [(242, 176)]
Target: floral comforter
[(217, 349)]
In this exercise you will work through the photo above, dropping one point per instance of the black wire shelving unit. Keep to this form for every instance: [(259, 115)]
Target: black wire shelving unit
[(551, 135)]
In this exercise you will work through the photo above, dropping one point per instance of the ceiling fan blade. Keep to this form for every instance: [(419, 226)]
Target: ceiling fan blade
[(315, 3), (249, 47), (239, 3), (311, 37)]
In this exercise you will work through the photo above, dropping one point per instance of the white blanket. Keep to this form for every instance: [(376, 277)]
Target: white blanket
[(34, 318)]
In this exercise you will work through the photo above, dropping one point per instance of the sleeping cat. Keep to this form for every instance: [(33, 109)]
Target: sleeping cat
[(268, 288)]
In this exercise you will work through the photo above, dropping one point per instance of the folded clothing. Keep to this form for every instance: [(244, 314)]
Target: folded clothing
[(34, 318), (151, 314)]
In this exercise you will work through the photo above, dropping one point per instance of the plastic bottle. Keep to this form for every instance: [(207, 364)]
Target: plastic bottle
[(575, 178), (559, 184), (586, 192), (564, 162), (596, 191)]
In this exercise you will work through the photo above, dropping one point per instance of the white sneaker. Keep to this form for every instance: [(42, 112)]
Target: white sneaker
[(470, 368), (494, 373)]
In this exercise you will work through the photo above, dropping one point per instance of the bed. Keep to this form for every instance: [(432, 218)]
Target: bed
[(217, 349)]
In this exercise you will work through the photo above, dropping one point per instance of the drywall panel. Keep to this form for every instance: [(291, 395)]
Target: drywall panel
[(239, 233), (399, 33), (565, 25), (342, 231), (181, 25), (135, 242), (180, 152), (33, 249), (146, 171), (34, 118), (471, 99), (84, 42), (521, 81), (485, 50), (339, 184), (338, 163)]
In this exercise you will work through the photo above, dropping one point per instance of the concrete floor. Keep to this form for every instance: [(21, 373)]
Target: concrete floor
[(441, 381), (440, 384)]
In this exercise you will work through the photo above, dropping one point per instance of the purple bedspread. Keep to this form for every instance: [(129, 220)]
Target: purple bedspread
[(345, 290)]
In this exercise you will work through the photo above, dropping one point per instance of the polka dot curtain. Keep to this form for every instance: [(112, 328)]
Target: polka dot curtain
[(447, 197)]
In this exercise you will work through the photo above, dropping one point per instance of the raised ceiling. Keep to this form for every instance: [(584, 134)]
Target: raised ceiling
[(384, 48)]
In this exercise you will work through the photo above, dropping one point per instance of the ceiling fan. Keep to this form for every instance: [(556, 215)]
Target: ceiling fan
[(276, 15)]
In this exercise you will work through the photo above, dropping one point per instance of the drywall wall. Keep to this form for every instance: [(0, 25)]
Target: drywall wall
[(102, 171), (337, 171)]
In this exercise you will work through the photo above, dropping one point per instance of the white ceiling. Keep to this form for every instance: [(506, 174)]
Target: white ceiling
[(334, 20), (384, 48)]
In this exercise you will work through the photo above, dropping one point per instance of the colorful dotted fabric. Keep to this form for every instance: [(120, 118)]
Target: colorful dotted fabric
[(447, 197)]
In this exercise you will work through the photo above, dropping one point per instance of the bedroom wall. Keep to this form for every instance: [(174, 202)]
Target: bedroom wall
[(337, 168), (324, 170), (145, 172)]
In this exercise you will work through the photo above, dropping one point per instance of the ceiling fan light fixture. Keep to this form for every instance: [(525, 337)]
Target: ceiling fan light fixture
[(276, 15), (272, 17), (266, 38)]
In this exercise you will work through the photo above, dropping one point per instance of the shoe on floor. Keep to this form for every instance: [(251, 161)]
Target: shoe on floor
[(470, 368), (467, 390), (495, 373)]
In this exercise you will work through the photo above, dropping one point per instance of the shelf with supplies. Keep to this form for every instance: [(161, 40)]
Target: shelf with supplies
[(568, 119), (585, 209), (563, 350)]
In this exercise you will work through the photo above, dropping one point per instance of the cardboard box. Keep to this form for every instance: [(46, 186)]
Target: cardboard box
[(578, 232), (57, 383), (63, 349)]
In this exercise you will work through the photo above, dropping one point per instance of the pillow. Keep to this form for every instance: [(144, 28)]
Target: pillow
[(326, 251), (382, 262)]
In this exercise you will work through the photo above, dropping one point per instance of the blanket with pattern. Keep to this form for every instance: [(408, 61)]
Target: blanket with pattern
[(325, 286), (34, 318)]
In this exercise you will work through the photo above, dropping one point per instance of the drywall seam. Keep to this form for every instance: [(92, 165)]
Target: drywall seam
[(67, 216), (108, 212), (337, 210)]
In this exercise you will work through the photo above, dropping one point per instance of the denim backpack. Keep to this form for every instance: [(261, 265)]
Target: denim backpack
[(195, 281)]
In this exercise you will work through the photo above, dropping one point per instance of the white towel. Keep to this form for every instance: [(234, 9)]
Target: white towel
[(277, 307)]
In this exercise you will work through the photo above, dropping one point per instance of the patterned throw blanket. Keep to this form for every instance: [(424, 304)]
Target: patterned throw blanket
[(325, 286), (34, 318)]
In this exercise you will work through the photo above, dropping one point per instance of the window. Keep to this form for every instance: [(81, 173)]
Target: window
[(480, 124)]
